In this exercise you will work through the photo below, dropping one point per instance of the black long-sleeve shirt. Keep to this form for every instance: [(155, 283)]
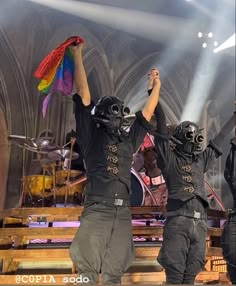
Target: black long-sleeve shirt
[(183, 173), (108, 157)]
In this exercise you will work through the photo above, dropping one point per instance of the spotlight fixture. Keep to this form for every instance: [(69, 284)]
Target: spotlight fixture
[(210, 35), (199, 35), (207, 40)]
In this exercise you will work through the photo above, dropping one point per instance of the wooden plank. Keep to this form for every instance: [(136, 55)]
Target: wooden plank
[(69, 232), (66, 211), (141, 251), (5, 240), (35, 254), (127, 279), (214, 231), (214, 251), (38, 232), (41, 212), (76, 211), (9, 265)]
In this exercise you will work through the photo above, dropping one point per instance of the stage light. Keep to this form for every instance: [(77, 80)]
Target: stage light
[(210, 35), (199, 34), (207, 40)]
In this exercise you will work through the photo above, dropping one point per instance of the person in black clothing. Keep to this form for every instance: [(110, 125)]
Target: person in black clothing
[(183, 163), (103, 242), (228, 239)]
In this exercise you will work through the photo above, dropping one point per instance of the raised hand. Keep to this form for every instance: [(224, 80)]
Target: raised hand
[(74, 49), (153, 79)]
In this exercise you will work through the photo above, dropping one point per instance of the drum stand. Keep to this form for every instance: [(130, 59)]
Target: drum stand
[(53, 166), (45, 168), (24, 190), (72, 142)]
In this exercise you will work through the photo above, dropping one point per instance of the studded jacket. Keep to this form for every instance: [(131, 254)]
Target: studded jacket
[(108, 157)]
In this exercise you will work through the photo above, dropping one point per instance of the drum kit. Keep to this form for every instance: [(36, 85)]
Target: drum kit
[(57, 183)]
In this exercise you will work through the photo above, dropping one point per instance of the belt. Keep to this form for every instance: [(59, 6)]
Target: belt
[(110, 201), (190, 214)]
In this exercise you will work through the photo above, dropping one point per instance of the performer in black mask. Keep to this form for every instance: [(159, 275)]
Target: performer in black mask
[(183, 163), (228, 240), (103, 242), (109, 113), (189, 134)]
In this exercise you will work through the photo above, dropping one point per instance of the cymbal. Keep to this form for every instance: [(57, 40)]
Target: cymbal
[(61, 154), (39, 145), (44, 144), (21, 141)]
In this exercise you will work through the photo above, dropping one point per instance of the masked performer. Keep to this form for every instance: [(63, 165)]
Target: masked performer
[(183, 250), (228, 240), (103, 242)]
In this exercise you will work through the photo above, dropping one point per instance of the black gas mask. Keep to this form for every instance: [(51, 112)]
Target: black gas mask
[(189, 134), (109, 114)]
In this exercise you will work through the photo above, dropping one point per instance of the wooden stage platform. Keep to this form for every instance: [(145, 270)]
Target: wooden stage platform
[(34, 247)]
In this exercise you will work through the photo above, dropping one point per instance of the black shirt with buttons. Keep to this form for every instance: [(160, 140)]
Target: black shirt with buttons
[(183, 173), (108, 157)]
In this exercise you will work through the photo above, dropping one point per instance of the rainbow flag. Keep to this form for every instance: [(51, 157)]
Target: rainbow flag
[(56, 71)]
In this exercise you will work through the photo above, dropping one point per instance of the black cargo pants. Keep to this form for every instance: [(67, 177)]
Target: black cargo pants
[(184, 243), (103, 243), (228, 244)]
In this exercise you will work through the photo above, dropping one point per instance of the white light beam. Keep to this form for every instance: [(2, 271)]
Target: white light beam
[(229, 43)]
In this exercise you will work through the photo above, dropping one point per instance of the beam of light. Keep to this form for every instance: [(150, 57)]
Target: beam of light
[(177, 47), (201, 87), (205, 73), (229, 43), (154, 27), (147, 25)]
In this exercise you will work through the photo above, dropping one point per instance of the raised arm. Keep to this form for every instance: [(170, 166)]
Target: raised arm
[(155, 84), (225, 130), (80, 78), (213, 149), (160, 119)]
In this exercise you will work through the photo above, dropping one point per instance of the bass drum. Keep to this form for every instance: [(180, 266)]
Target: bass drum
[(137, 191)]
